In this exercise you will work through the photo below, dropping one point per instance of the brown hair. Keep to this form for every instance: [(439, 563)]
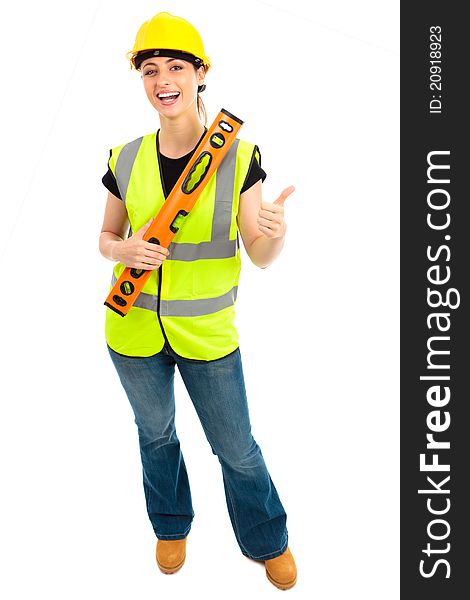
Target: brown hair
[(201, 109)]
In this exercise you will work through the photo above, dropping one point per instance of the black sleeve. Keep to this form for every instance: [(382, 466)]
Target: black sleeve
[(109, 182), (255, 172)]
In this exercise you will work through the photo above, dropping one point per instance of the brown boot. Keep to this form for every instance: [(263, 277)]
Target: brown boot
[(171, 555), (281, 570)]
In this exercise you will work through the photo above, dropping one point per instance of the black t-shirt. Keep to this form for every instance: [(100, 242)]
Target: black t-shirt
[(173, 167)]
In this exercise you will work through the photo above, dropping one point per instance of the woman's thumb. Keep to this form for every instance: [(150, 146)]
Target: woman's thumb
[(144, 227)]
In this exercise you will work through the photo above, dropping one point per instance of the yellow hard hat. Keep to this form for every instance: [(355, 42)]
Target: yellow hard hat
[(166, 32)]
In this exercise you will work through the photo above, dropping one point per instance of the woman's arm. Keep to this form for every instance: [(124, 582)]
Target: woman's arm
[(262, 225), (115, 225), (133, 252)]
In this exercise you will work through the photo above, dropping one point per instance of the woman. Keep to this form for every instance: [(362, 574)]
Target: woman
[(184, 315)]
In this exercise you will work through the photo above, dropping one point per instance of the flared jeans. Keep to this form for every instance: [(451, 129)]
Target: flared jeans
[(217, 391)]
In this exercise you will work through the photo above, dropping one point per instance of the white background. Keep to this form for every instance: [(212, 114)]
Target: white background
[(317, 86)]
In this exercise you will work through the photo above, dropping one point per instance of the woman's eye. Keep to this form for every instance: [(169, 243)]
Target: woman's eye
[(151, 72)]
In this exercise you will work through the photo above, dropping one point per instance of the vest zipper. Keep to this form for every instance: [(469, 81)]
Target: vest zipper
[(160, 270), (161, 267), (158, 306)]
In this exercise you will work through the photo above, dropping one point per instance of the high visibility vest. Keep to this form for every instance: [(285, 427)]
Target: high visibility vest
[(190, 299)]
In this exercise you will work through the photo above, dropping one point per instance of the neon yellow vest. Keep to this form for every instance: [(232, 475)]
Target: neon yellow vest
[(198, 282)]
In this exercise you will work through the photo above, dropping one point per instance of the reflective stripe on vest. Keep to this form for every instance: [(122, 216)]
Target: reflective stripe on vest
[(185, 308), (124, 165)]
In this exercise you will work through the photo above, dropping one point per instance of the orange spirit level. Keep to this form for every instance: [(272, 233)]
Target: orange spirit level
[(205, 160)]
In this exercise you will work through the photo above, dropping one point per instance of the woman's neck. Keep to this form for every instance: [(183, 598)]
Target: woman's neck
[(178, 137)]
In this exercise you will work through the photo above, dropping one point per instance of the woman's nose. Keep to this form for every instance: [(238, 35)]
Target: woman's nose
[(163, 79)]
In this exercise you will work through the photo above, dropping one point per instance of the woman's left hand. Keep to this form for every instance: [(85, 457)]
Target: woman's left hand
[(271, 215)]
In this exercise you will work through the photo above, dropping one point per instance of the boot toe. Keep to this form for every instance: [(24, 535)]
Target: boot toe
[(170, 555), (281, 570)]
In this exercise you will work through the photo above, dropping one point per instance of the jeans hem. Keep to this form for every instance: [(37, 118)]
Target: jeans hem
[(173, 536), (269, 554)]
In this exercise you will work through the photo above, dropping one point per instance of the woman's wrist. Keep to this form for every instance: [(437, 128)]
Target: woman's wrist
[(109, 245), (264, 250), (114, 249)]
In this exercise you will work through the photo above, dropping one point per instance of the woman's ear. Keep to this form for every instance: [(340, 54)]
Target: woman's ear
[(201, 73)]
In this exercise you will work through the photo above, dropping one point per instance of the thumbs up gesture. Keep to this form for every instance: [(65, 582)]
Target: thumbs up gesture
[(271, 215)]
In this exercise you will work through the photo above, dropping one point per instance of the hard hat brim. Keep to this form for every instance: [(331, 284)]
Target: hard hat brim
[(137, 58)]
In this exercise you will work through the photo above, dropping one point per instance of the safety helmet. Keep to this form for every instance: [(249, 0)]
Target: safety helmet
[(168, 35)]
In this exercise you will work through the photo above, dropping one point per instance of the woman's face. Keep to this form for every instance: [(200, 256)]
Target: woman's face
[(171, 84)]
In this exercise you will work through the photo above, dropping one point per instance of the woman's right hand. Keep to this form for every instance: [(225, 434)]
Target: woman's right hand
[(136, 253)]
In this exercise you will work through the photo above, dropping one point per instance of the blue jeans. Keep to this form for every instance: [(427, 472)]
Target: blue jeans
[(217, 391)]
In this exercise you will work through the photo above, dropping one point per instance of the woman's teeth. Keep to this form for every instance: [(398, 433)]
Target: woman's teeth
[(168, 98)]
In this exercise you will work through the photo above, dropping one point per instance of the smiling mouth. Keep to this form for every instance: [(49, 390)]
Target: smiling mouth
[(167, 98)]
